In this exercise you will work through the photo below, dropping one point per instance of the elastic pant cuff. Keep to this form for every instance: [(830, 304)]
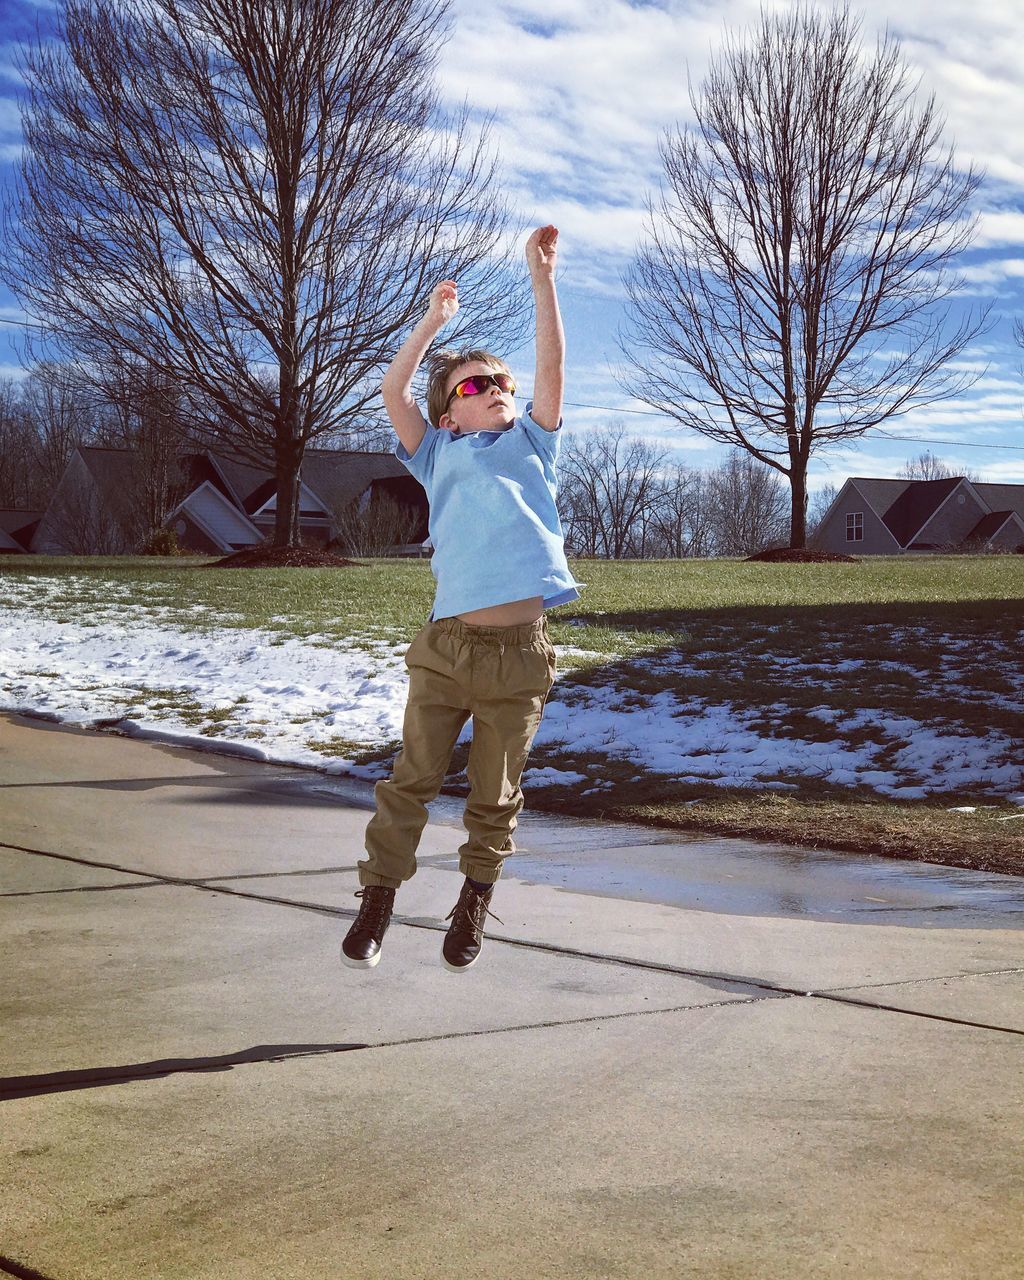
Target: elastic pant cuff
[(367, 878), (480, 872)]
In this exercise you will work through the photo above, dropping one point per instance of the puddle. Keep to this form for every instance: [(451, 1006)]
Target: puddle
[(741, 877)]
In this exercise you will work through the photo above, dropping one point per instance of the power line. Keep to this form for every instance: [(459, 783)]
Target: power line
[(959, 444)]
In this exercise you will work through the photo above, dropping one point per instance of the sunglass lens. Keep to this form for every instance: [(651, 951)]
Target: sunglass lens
[(476, 386)]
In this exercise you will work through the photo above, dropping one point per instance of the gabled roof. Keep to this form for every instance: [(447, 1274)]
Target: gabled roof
[(192, 505), (879, 494), (17, 528), (916, 505), (199, 467), (1001, 497), (335, 476), (109, 467), (246, 483), (906, 506), (988, 526)]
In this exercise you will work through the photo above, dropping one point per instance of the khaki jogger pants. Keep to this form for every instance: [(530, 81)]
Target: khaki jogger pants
[(501, 676)]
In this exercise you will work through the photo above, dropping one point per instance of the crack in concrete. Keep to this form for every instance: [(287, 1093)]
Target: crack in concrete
[(84, 888), (13, 1088), (142, 884), (733, 983), (938, 977)]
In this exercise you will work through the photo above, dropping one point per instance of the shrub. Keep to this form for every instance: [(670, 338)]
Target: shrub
[(161, 542)]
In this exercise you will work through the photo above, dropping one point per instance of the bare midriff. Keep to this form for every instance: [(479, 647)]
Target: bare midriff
[(512, 614)]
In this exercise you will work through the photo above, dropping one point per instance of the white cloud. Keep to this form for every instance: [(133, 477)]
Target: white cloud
[(994, 271), (10, 117), (999, 228)]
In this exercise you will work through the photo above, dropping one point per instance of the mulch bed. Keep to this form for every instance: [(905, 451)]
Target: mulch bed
[(282, 558), (801, 555)]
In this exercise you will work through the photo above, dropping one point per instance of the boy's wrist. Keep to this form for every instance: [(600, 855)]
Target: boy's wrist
[(431, 324)]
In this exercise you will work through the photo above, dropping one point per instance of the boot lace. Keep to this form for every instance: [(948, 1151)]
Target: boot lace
[(470, 911), (374, 908)]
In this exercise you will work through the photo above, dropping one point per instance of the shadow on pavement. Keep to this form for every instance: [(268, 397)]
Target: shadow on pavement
[(97, 1077)]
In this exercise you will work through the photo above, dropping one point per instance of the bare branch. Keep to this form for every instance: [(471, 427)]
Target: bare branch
[(795, 286), (252, 199)]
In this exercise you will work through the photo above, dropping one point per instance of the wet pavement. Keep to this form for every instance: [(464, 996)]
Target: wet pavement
[(711, 873)]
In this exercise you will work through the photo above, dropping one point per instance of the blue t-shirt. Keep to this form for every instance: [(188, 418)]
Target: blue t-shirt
[(493, 520)]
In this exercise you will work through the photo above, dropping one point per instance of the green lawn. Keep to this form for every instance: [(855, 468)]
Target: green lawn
[(624, 601), (935, 639)]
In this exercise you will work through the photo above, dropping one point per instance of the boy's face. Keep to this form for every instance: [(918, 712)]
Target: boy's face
[(491, 410)]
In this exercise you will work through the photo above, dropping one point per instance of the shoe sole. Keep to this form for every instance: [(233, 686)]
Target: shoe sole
[(359, 964)]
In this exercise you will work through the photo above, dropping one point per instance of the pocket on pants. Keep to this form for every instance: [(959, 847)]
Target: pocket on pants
[(541, 668), (409, 651)]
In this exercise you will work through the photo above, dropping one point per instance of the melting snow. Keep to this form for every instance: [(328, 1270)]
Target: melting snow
[(294, 700)]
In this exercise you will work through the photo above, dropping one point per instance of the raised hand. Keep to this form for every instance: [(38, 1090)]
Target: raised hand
[(542, 251), (444, 302)]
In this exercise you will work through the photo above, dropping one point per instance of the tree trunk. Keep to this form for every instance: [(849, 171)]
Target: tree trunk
[(286, 524), (798, 516)]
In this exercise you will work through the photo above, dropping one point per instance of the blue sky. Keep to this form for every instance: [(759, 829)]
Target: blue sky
[(582, 89)]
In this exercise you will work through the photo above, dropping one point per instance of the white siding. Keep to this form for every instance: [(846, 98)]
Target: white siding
[(308, 503), (214, 512)]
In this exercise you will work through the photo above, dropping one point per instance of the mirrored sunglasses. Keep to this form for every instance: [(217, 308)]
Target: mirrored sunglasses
[(479, 383)]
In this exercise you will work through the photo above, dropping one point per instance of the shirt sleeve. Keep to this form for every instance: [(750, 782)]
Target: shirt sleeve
[(545, 442), (421, 463)]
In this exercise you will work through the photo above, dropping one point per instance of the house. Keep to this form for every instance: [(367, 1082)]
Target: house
[(89, 512), (17, 529), (217, 504), (232, 504), (889, 517)]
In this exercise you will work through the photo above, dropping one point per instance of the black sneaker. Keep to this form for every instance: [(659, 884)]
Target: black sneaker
[(465, 934), (361, 948)]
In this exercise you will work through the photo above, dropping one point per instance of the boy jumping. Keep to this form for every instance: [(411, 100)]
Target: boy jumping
[(499, 561)]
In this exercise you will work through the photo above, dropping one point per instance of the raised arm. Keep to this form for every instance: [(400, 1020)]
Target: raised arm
[(409, 424), (549, 378)]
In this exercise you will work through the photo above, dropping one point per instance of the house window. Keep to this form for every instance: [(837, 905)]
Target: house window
[(855, 526)]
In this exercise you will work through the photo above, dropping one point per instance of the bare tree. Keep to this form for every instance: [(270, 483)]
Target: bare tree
[(681, 518), (817, 508), (375, 524), (16, 473), (792, 290), (926, 466), (608, 492), (141, 413), (60, 415), (747, 503), (252, 198)]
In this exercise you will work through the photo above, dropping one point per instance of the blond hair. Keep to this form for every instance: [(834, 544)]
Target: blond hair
[(440, 368)]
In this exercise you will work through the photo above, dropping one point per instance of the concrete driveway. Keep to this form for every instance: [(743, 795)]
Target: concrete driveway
[(675, 1057)]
